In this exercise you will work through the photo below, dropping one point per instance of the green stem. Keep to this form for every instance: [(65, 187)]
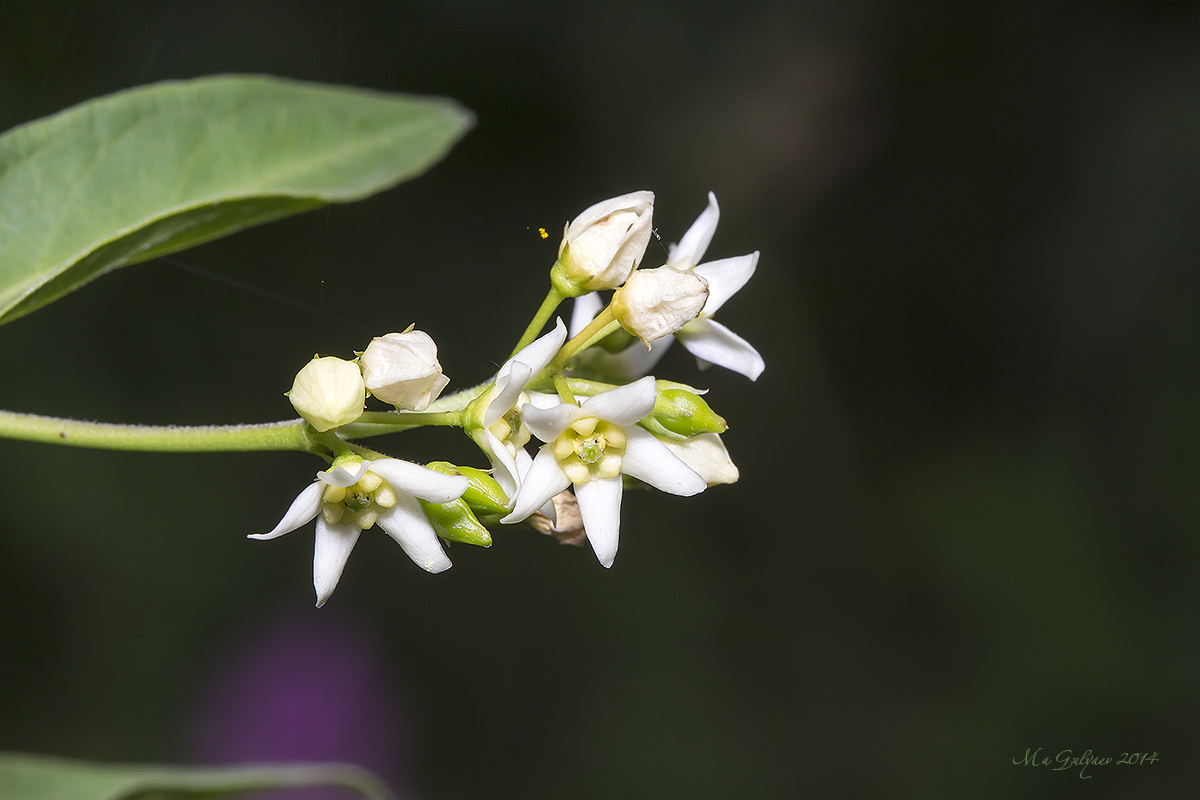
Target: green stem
[(403, 420), (564, 391), (553, 298), (604, 324), (285, 435), (366, 452)]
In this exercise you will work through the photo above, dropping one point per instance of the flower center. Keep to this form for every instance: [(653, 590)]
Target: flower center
[(590, 448), (358, 505)]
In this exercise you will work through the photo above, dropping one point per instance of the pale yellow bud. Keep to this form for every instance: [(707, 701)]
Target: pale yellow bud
[(656, 302), (607, 241), (328, 393)]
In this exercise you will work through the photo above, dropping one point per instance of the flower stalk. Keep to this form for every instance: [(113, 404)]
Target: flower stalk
[(285, 435)]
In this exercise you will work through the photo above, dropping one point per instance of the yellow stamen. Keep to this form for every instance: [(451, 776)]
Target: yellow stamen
[(609, 466), (563, 447), (385, 497), (584, 426)]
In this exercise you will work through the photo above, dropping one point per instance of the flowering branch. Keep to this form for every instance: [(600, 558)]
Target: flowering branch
[(604, 424)]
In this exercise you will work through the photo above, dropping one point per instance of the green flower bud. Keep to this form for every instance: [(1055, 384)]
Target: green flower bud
[(455, 521), (683, 413), (483, 493)]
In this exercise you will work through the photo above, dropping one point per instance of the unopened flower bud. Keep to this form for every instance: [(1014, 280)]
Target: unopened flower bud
[(685, 413), (656, 302), (328, 392), (403, 369), (455, 521), (604, 244), (483, 494), (706, 454)]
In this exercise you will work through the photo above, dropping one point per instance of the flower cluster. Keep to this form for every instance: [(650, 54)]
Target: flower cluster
[(602, 423)]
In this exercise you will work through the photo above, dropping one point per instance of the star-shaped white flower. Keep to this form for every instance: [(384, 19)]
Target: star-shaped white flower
[(504, 433), (591, 445), (704, 337), (346, 501)]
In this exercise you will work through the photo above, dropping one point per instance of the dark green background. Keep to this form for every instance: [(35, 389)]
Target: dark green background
[(967, 520)]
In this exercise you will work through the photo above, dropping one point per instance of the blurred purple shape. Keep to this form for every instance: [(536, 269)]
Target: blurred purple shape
[(310, 690)]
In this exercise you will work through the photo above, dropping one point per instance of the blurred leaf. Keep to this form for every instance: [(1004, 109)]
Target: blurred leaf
[(27, 777), (149, 171)]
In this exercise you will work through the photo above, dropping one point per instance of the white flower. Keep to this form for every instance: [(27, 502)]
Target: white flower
[(504, 433), (403, 369), (706, 454), (350, 498), (704, 337), (656, 302), (328, 392), (606, 242), (591, 446)]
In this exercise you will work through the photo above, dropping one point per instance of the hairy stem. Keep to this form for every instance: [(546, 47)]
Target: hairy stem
[(285, 435)]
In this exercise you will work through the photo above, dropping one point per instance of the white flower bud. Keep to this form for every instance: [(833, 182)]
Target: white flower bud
[(607, 241), (403, 369), (706, 454), (656, 302), (328, 392)]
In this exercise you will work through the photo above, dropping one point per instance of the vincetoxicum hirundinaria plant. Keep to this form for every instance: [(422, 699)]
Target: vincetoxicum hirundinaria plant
[(569, 422), (582, 396)]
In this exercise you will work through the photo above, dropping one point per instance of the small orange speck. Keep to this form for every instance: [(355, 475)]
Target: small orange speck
[(542, 231)]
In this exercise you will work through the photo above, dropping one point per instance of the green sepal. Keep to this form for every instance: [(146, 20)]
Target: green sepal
[(456, 522), (483, 493), (561, 280), (683, 412)]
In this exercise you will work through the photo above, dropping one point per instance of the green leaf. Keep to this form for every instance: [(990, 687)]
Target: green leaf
[(145, 172), (29, 777)]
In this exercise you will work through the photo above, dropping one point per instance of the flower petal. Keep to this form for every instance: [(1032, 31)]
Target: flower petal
[(592, 214), (712, 341), (600, 508), (649, 460), (725, 277), (509, 382), (332, 548), (505, 469), (524, 462), (548, 423), (407, 524), (306, 506), (543, 480), (586, 307), (541, 400), (341, 477), (691, 247), (420, 481), (538, 354), (706, 454), (624, 405)]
